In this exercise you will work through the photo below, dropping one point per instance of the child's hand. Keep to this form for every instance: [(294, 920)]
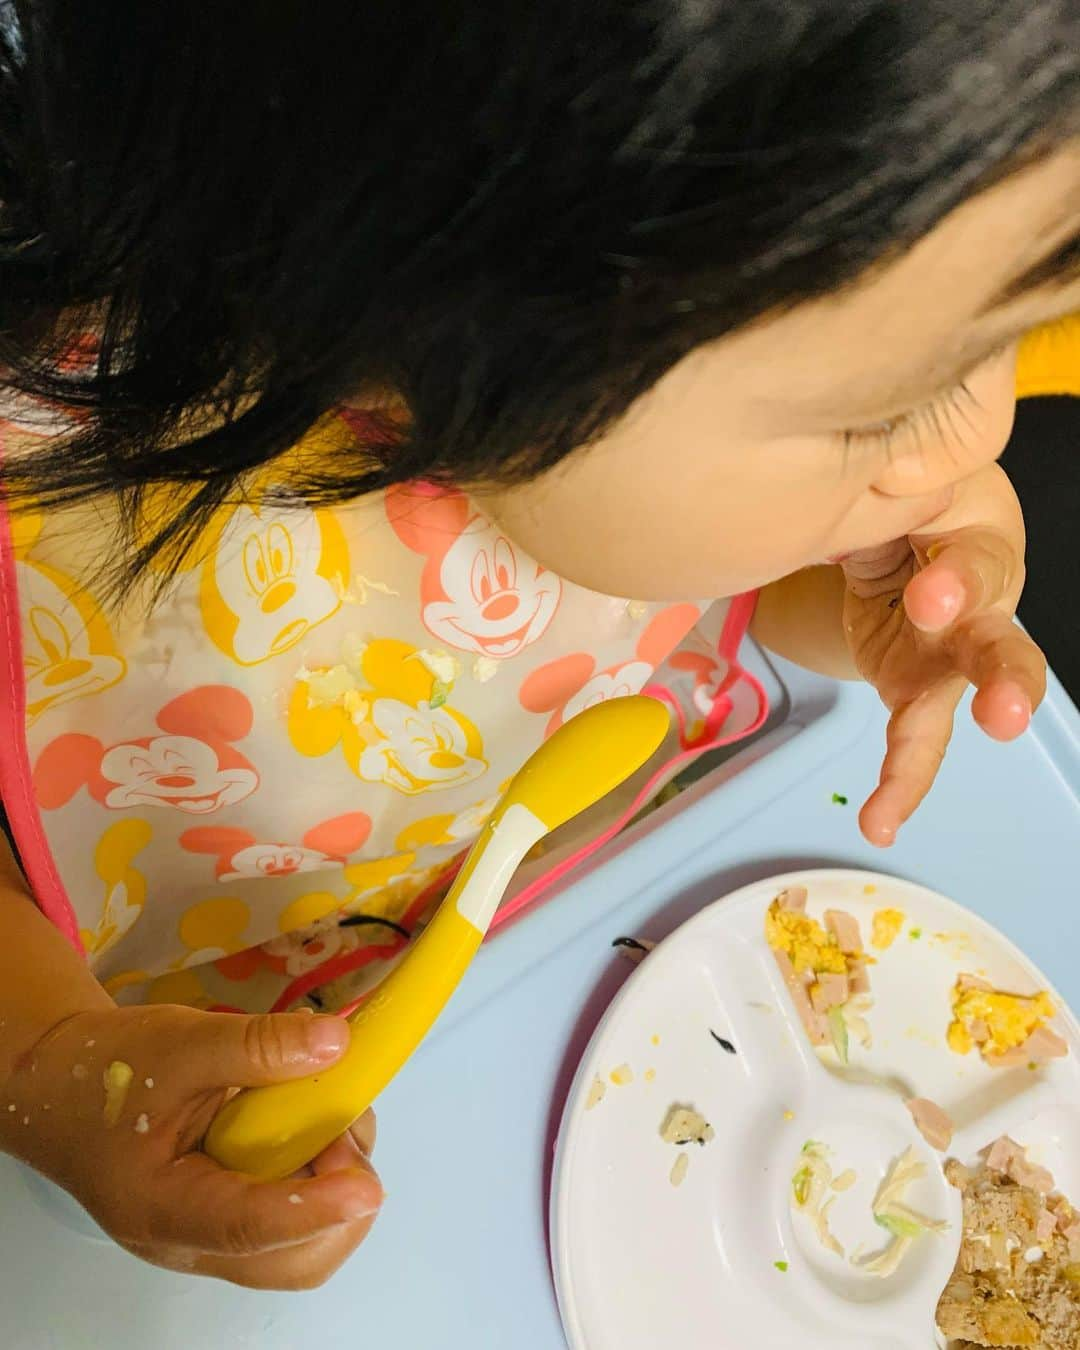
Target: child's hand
[(928, 614), (132, 1158)]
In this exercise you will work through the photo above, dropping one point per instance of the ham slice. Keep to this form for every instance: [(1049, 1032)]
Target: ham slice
[(1042, 1045), (794, 898), (845, 929), (935, 1126), (815, 1024), (829, 991)]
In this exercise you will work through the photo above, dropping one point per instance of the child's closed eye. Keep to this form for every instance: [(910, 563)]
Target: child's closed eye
[(948, 417)]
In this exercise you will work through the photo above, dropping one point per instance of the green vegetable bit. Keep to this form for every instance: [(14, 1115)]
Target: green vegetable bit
[(839, 799), (800, 1184), (915, 934), (440, 692), (781, 1266), (900, 1226), (838, 1030)]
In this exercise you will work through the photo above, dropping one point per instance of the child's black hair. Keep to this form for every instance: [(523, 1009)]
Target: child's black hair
[(515, 216)]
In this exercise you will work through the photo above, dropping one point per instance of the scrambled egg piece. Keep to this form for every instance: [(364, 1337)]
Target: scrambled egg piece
[(994, 1021), (805, 941), (886, 929)]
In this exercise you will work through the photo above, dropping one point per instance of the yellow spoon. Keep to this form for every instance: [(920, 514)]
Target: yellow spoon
[(271, 1132)]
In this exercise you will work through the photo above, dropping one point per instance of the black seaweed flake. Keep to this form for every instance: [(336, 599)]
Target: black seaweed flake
[(355, 920), (632, 943), (723, 1043)]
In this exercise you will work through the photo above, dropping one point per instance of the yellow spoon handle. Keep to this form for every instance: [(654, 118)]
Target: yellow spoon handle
[(271, 1132)]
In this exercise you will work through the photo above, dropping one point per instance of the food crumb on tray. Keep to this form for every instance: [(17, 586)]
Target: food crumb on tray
[(679, 1169), (623, 1076), (1017, 1280), (1008, 1030)]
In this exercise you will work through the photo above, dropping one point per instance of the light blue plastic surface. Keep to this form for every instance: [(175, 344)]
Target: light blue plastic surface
[(459, 1260)]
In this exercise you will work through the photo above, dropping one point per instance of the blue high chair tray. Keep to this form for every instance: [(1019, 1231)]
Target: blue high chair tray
[(459, 1259)]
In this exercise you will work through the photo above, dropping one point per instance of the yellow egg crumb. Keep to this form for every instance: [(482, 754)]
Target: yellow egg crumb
[(804, 941), (869, 890), (656, 1040), (886, 928), (650, 1074), (789, 1115), (996, 1022), (623, 1076)]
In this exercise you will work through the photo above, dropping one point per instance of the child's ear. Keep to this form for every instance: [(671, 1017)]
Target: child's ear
[(553, 685), (220, 841), (64, 766), (213, 712), (341, 836), (665, 631), (426, 519)]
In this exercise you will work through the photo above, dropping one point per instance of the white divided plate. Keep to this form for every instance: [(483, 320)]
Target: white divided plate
[(641, 1264)]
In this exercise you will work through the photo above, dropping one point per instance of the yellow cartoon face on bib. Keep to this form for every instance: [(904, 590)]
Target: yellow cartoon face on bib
[(272, 576), (389, 713), (68, 648)]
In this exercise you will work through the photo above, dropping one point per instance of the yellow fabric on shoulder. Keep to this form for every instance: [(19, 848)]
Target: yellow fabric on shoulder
[(1050, 361)]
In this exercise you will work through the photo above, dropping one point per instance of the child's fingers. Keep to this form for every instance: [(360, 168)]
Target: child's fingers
[(1007, 669), (966, 575), (230, 1050), (197, 1204), (917, 738), (365, 1132)]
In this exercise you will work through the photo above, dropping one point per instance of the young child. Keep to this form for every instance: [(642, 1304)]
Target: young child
[(388, 383)]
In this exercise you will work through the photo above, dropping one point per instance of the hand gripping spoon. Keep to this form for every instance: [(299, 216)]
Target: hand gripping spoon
[(271, 1132)]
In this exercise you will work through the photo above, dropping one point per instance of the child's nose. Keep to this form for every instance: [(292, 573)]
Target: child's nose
[(500, 608)]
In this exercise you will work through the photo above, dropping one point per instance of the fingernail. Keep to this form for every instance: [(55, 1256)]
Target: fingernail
[(327, 1037)]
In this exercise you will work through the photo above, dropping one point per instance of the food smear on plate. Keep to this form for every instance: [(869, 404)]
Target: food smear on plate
[(679, 1169), (824, 968), (886, 927), (1009, 1030), (623, 1076), (1017, 1279), (596, 1093)]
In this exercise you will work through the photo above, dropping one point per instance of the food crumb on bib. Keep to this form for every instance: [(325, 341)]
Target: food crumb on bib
[(142, 1123)]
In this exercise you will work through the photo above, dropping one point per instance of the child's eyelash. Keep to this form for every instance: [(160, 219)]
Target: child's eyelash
[(938, 417)]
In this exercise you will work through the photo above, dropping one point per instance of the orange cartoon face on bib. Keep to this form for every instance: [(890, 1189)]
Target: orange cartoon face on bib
[(190, 764), (478, 591)]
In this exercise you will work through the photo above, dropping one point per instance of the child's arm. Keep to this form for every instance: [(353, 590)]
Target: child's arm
[(112, 1103), (921, 618)]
